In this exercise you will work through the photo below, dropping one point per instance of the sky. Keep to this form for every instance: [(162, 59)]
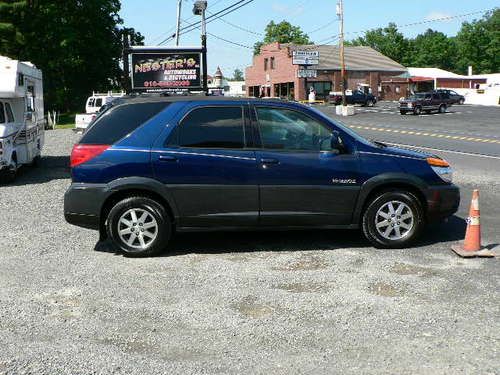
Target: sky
[(155, 19)]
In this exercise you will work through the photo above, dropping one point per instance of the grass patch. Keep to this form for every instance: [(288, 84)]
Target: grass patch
[(66, 121)]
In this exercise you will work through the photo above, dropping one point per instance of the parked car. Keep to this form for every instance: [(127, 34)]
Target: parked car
[(452, 96), (424, 102), (149, 167), (356, 97)]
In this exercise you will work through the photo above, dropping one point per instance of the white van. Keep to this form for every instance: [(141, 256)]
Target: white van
[(22, 122)]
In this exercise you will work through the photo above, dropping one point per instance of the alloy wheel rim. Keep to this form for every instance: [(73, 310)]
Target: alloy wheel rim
[(137, 228), (394, 220)]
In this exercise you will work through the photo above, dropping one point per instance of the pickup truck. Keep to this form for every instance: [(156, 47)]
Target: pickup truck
[(424, 102), (354, 97), (92, 107)]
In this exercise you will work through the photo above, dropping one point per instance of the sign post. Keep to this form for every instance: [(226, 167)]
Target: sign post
[(304, 59)]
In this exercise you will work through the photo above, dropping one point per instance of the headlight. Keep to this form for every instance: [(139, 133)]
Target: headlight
[(441, 168), (410, 105)]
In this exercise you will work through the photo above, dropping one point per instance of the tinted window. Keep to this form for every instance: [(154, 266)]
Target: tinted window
[(291, 130), (2, 114), (120, 121), (436, 96), (212, 127), (98, 102), (10, 115)]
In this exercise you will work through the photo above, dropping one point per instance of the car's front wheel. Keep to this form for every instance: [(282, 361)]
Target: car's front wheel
[(139, 226), (461, 101), (417, 111), (393, 219), (370, 103)]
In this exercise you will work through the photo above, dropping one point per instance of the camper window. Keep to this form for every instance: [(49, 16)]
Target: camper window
[(8, 111), (98, 102), (2, 114)]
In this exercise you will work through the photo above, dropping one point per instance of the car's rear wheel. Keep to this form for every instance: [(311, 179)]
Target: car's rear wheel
[(417, 111), (139, 226), (442, 108), (402, 112), (393, 219)]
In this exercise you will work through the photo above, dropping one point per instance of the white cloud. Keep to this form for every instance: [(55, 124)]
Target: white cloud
[(436, 14)]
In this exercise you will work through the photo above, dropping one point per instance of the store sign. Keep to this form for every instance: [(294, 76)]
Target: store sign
[(305, 57), (165, 69), (307, 73)]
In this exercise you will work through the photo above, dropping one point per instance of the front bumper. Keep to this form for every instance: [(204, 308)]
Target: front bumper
[(83, 203), (442, 201)]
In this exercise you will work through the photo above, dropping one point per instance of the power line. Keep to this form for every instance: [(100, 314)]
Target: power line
[(172, 29), (239, 27), (213, 17), (447, 18)]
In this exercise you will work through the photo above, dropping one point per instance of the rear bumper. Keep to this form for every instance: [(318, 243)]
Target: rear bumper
[(442, 201), (83, 203)]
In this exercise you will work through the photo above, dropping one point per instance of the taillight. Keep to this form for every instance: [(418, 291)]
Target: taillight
[(83, 153)]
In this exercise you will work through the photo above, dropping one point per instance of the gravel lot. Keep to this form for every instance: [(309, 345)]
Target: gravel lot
[(317, 302)]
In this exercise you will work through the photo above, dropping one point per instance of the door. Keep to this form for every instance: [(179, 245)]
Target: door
[(207, 166), (302, 180)]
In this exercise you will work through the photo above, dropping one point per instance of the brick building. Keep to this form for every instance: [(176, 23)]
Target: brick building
[(273, 74)]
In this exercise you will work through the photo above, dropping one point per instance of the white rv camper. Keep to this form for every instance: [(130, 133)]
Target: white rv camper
[(22, 122)]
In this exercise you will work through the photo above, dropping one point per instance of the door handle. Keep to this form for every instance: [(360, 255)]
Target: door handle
[(167, 158), (269, 161)]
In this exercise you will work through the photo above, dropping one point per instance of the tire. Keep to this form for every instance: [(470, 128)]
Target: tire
[(148, 213), (386, 235), (402, 112), (36, 161), (417, 111), (369, 103), (9, 175), (442, 108), (461, 101)]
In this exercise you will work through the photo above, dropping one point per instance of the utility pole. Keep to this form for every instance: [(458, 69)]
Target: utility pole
[(340, 13), (179, 9), (200, 6), (126, 71)]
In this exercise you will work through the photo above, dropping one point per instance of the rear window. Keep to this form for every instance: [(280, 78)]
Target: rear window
[(118, 122)]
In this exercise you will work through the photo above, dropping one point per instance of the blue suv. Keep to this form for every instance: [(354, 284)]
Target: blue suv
[(151, 166)]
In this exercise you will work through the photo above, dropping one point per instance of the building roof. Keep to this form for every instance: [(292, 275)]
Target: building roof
[(356, 58), (432, 73)]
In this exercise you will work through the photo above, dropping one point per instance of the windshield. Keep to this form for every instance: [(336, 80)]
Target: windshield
[(419, 96), (343, 127)]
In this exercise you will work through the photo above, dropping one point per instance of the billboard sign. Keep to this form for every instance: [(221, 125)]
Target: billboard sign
[(305, 57), (307, 73), (166, 69)]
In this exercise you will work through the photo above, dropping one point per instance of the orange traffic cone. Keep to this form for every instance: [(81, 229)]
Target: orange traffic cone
[(471, 247)]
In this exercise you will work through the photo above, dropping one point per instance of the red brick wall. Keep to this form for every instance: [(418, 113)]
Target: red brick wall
[(283, 71), (454, 83)]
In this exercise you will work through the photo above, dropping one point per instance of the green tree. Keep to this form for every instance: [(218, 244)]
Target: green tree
[(432, 49), (10, 35), (478, 44), (388, 41), (77, 44), (238, 75), (283, 32)]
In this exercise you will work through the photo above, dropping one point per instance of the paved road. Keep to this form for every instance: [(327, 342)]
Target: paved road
[(465, 128), (467, 136)]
